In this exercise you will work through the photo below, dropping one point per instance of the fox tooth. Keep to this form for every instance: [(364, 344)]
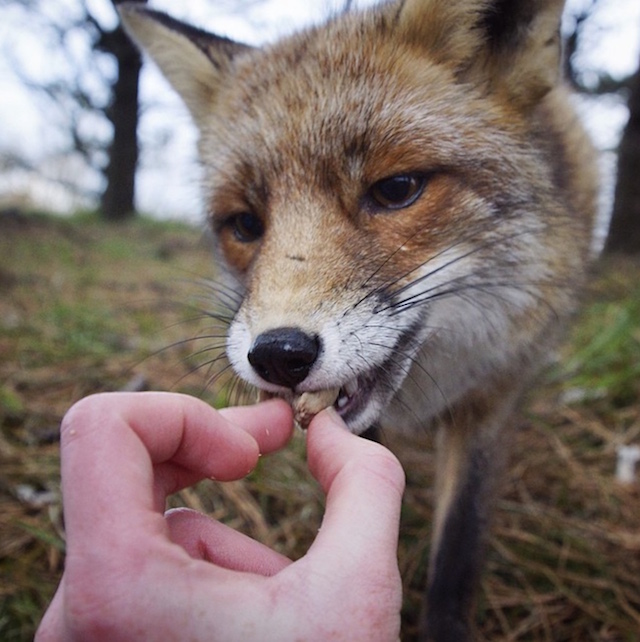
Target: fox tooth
[(343, 400)]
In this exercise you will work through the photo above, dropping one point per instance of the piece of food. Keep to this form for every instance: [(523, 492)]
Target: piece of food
[(306, 405), (309, 404)]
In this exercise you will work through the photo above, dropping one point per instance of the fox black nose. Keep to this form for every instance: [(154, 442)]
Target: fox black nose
[(284, 356)]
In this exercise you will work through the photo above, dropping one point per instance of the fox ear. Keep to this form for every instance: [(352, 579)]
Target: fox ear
[(446, 28), (523, 48), (193, 61), (511, 46)]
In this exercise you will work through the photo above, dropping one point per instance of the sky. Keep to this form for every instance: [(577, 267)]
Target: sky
[(169, 179)]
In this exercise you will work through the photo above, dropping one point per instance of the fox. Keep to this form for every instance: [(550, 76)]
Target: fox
[(405, 196)]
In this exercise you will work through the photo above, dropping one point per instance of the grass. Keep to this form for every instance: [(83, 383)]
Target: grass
[(87, 307)]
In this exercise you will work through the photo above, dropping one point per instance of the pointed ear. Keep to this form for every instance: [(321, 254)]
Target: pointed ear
[(510, 46), (445, 28), (523, 48), (193, 61)]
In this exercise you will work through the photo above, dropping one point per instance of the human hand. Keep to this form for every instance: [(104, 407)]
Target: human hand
[(135, 573)]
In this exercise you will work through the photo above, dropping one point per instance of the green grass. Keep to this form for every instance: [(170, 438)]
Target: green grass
[(87, 307), (606, 361), (84, 308)]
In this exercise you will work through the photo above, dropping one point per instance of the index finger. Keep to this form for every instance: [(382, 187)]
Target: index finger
[(112, 446)]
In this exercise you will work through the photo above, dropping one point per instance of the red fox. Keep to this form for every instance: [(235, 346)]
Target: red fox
[(407, 199)]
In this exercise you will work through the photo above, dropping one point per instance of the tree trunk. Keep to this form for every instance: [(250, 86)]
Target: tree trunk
[(624, 231), (117, 201)]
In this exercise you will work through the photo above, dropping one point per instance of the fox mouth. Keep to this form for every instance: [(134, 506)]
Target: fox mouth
[(362, 399), (353, 400), (354, 397)]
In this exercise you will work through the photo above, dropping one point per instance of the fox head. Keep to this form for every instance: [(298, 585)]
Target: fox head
[(389, 191)]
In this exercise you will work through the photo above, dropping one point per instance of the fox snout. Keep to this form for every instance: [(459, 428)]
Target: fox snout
[(323, 334), (284, 356)]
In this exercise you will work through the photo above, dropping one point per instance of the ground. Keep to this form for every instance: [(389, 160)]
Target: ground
[(87, 307)]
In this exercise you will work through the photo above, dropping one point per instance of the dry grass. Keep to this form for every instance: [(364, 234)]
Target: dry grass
[(87, 308)]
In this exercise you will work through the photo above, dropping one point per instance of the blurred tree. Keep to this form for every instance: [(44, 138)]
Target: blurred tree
[(82, 72), (117, 200), (79, 67), (624, 230)]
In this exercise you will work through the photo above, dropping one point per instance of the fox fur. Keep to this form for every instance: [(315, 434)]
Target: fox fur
[(406, 197)]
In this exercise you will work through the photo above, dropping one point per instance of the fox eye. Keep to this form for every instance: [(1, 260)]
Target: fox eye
[(398, 191), (246, 227)]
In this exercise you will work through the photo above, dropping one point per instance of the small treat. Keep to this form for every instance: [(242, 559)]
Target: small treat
[(306, 405), (309, 404)]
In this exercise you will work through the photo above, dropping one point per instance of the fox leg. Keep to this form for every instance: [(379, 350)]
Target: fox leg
[(473, 446)]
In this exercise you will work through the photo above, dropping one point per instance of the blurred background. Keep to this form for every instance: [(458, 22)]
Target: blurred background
[(106, 284)]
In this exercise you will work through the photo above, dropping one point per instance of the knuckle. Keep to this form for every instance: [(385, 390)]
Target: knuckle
[(384, 465)]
